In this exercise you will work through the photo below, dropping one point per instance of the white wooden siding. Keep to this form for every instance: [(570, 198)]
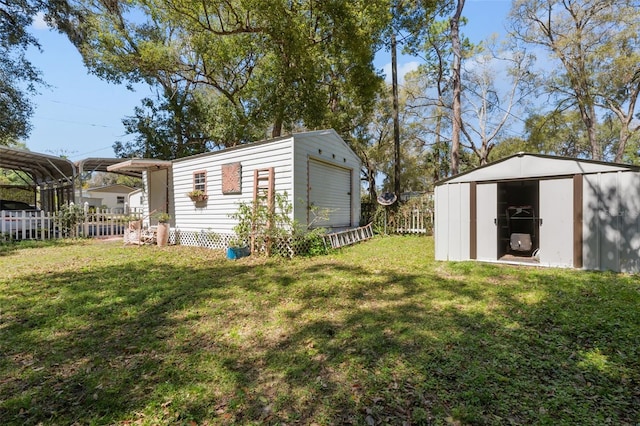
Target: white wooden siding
[(214, 214)]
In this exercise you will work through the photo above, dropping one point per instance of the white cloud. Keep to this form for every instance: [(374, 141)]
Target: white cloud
[(403, 69), (38, 22)]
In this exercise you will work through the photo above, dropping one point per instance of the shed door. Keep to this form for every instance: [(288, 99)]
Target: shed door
[(556, 226), (330, 193), (486, 218)]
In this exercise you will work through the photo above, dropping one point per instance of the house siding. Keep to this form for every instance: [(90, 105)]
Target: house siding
[(453, 222), (215, 214)]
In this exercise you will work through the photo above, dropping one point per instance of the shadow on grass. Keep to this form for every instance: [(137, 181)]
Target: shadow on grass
[(10, 247), (331, 342)]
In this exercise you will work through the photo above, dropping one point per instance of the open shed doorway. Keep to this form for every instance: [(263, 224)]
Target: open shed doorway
[(518, 214)]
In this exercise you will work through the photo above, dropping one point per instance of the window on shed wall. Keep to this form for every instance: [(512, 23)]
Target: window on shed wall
[(200, 181)]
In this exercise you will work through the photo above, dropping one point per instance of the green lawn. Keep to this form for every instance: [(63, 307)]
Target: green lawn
[(379, 333)]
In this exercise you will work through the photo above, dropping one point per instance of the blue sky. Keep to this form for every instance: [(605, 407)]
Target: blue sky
[(80, 116)]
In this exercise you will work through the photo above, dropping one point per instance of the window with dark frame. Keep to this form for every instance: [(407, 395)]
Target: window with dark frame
[(120, 199), (200, 181)]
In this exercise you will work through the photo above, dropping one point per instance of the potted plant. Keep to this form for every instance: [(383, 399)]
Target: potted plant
[(162, 237), (237, 248), (197, 195)]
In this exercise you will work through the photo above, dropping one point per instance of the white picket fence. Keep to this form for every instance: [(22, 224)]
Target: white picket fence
[(22, 225), (39, 225), (415, 221)]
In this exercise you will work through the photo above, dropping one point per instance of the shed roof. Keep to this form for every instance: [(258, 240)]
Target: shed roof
[(43, 168), (326, 132), (532, 166)]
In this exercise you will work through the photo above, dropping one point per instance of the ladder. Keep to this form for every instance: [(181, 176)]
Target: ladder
[(349, 236), (263, 207)]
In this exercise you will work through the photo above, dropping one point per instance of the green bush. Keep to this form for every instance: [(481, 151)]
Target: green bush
[(275, 231), (69, 217)]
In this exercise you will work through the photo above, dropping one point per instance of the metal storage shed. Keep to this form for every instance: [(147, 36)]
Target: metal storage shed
[(543, 210)]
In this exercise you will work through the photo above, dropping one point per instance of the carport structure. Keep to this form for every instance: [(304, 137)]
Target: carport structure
[(53, 177)]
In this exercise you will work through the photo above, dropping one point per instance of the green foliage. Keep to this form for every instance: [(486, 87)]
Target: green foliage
[(595, 51), (172, 126), (282, 66), (162, 217), (69, 217), (277, 229), (18, 77)]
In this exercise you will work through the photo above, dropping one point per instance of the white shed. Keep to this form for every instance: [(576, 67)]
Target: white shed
[(544, 210), (314, 168)]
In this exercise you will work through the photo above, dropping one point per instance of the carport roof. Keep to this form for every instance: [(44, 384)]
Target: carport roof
[(103, 165), (42, 167), (138, 165)]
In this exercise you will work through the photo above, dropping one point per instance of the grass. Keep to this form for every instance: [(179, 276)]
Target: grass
[(379, 333)]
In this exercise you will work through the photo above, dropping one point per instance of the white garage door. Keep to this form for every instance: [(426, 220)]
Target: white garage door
[(330, 193)]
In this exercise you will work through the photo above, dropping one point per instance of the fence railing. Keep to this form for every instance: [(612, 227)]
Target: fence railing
[(415, 221), (39, 225), (102, 223), (21, 225), (405, 221)]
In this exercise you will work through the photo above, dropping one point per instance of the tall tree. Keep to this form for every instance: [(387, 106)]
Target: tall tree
[(431, 92), (456, 85), (276, 64), (597, 48), (18, 77), (172, 126), (496, 83)]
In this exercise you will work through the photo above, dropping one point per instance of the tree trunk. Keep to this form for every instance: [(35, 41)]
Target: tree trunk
[(276, 131), (396, 119), (457, 88)]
